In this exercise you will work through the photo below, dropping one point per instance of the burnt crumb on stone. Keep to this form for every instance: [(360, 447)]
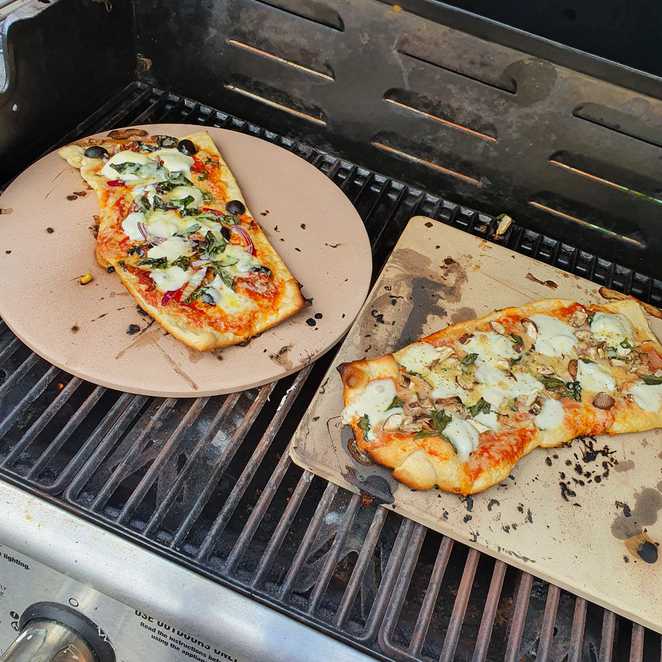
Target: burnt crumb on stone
[(73, 196), (75, 328), (520, 508), (311, 322), (429, 224), (529, 516), (133, 329), (140, 311), (625, 558), (297, 249), (342, 316), (444, 515), (566, 491), (491, 503), (110, 270), (505, 528), (377, 316), (468, 502), (467, 518), (302, 226), (326, 243), (265, 213), (8, 252), (548, 461), (276, 228), (318, 316), (437, 247), (627, 511), (50, 230)]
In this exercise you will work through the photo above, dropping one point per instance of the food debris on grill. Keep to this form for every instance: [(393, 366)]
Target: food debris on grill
[(504, 223), (547, 283)]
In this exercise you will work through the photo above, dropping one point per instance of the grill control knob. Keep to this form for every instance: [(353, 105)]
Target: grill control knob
[(50, 632)]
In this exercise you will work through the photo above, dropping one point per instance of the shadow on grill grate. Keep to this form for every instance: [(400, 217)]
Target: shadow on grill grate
[(209, 483)]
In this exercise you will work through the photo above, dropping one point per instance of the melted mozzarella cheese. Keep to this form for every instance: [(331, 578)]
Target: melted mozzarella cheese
[(126, 156), (417, 356), (647, 396), (490, 347), (175, 161), (489, 421), (170, 279), (245, 261), (551, 415), (164, 223), (613, 329), (171, 249), (462, 435), (525, 385), (372, 402), (555, 338), (138, 191), (130, 225), (487, 374), (593, 378), (181, 192), (227, 299)]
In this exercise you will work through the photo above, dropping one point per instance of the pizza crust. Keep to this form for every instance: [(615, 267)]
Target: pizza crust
[(432, 461)]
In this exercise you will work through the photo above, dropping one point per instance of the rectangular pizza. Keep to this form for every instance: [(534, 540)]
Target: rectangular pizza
[(175, 228), (457, 409)]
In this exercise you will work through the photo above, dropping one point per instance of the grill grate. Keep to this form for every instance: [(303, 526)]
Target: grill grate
[(209, 483)]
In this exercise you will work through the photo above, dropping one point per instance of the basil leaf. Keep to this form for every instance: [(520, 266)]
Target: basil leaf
[(184, 202), (517, 340), (652, 380), (194, 227), (225, 276), (135, 250), (213, 244), (154, 262), (482, 406), (626, 344), (396, 402), (128, 167), (469, 359), (183, 261), (551, 383), (440, 419), (364, 424), (206, 195)]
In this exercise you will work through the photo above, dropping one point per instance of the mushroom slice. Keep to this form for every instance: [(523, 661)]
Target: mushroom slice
[(603, 400)]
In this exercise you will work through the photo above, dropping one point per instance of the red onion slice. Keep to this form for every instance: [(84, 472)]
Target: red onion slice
[(245, 237)]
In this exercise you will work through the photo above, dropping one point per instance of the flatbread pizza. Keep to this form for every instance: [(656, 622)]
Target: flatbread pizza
[(458, 409), (176, 229)]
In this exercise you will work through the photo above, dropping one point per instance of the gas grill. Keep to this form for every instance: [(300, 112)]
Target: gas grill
[(188, 516)]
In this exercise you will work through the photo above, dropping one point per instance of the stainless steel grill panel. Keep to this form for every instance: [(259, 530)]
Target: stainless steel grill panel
[(209, 483)]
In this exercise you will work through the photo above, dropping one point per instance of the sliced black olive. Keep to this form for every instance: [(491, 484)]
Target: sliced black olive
[(262, 270), (226, 233), (96, 152), (235, 207), (187, 147), (166, 141)]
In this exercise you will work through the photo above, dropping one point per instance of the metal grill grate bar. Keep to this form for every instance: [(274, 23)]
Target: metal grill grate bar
[(489, 613), (637, 644), (548, 620), (577, 632), (430, 599), (460, 607), (519, 617), (607, 639), (20, 373)]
